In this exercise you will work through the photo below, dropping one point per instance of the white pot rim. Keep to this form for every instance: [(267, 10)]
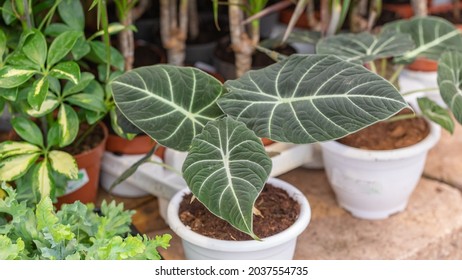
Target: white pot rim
[(242, 246), (374, 155)]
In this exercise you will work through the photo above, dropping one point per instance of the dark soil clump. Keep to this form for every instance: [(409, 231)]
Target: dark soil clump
[(389, 135), (279, 211)]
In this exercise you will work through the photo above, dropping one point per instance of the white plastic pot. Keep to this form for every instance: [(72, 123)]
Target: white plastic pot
[(376, 184), (277, 247), (113, 166)]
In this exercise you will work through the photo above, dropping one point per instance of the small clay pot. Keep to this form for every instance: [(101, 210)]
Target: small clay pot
[(141, 144), (90, 161), (424, 65)]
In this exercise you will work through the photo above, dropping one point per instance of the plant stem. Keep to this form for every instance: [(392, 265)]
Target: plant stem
[(396, 74), (419, 90), (402, 117), (383, 66), (49, 15), (166, 166), (373, 67)]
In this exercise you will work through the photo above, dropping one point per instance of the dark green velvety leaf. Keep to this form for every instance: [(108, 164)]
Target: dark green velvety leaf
[(226, 169), (432, 36), (450, 82), (171, 104), (436, 113), (310, 98)]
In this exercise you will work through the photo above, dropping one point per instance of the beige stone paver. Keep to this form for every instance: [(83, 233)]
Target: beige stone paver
[(444, 161), (430, 228)]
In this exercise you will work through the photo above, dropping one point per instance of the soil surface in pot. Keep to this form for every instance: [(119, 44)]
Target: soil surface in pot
[(389, 135), (90, 142), (278, 212)]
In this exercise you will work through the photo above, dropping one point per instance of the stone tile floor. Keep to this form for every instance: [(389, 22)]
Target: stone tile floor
[(430, 227)]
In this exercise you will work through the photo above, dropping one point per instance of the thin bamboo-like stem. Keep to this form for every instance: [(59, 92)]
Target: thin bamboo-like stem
[(402, 117), (325, 18), (395, 75), (193, 19), (240, 41), (419, 7), (419, 90)]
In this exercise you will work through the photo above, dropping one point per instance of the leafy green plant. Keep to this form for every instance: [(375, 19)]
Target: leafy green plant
[(301, 99), (45, 80), (404, 41), (74, 232)]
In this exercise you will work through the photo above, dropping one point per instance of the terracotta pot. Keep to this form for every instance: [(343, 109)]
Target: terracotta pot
[(89, 163), (424, 65), (402, 10), (141, 144), (302, 22)]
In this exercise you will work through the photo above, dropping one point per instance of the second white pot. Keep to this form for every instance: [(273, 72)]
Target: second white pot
[(376, 184), (280, 246)]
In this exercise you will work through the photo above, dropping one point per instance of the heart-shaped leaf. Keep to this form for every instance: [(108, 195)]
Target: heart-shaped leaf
[(365, 47), (226, 169), (306, 99), (450, 82), (171, 104), (436, 113), (432, 36)]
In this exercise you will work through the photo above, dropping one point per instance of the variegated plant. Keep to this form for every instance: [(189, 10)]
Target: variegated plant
[(302, 99), (405, 41), (41, 80)]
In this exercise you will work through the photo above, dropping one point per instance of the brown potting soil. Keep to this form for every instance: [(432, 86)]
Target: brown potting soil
[(389, 135), (90, 142), (278, 212)]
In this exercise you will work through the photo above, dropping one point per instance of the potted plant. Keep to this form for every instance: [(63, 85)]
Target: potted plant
[(364, 172), (52, 97), (301, 99), (76, 232)]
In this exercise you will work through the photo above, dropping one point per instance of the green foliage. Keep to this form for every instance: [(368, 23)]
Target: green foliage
[(74, 232)]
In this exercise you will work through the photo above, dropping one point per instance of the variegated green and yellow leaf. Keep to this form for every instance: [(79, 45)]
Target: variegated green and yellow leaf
[(38, 93), (12, 148), (69, 125), (14, 167), (42, 179), (48, 106), (28, 130), (11, 77), (64, 163), (68, 70)]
